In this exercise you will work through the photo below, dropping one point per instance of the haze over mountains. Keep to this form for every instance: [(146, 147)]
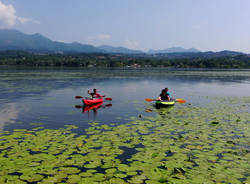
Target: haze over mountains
[(11, 39), (122, 50), (174, 50)]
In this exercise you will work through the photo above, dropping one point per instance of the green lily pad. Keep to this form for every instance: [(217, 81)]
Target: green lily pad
[(178, 146), (32, 178), (73, 179)]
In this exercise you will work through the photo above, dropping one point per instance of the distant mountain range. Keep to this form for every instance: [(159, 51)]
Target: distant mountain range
[(174, 50), (121, 50), (11, 39), (15, 40), (201, 55)]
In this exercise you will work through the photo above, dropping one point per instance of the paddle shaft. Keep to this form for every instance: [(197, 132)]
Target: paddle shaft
[(177, 100), (104, 98)]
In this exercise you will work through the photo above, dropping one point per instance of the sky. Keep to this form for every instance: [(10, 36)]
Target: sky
[(207, 25)]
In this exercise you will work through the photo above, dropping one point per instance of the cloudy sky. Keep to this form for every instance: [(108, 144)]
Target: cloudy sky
[(137, 24)]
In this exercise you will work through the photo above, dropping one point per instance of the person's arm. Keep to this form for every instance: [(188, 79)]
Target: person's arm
[(97, 95), (159, 98), (168, 98), (91, 94)]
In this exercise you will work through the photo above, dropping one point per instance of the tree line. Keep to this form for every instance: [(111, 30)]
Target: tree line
[(21, 58)]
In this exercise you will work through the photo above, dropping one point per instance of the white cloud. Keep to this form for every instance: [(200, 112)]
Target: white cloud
[(23, 20), (8, 16), (131, 44), (99, 37)]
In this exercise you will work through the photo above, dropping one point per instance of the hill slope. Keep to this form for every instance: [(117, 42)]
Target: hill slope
[(174, 50), (15, 40), (121, 50)]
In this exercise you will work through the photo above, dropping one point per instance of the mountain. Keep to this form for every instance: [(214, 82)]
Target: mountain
[(11, 39), (120, 50), (223, 53), (190, 55), (174, 50), (15, 40)]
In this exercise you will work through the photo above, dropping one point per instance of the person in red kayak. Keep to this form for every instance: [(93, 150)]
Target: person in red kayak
[(94, 94)]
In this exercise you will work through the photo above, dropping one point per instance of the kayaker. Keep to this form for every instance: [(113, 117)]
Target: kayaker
[(165, 95), (94, 94), (168, 94)]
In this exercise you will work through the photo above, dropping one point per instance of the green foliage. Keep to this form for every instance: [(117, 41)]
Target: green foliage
[(20, 58)]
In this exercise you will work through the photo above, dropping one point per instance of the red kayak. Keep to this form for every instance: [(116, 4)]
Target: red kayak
[(91, 107), (92, 101)]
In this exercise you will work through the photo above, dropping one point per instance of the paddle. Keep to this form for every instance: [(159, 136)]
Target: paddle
[(78, 106), (180, 100), (108, 105), (78, 97), (104, 98), (177, 100), (150, 99)]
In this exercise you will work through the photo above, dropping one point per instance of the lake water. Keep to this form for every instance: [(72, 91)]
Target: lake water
[(31, 98), (48, 96)]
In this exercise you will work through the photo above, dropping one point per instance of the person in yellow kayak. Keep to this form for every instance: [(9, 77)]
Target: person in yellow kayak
[(165, 95)]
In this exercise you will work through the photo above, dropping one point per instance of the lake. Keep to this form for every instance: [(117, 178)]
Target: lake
[(125, 140)]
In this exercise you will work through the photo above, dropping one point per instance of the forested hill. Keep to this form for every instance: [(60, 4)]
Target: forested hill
[(224, 59)]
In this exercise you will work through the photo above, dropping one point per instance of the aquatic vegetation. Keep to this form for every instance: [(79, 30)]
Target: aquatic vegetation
[(184, 144)]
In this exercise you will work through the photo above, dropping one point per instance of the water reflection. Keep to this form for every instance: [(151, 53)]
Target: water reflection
[(164, 111), (49, 95), (8, 114), (93, 108), (161, 110)]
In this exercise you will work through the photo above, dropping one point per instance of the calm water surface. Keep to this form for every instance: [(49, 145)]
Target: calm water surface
[(47, 97), (126, 140)]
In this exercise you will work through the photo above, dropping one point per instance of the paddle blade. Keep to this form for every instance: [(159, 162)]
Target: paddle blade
[(78, 97), (148, 110), (149, 99), (108, 105), (180, 100), (78, 106), (108, 99)]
